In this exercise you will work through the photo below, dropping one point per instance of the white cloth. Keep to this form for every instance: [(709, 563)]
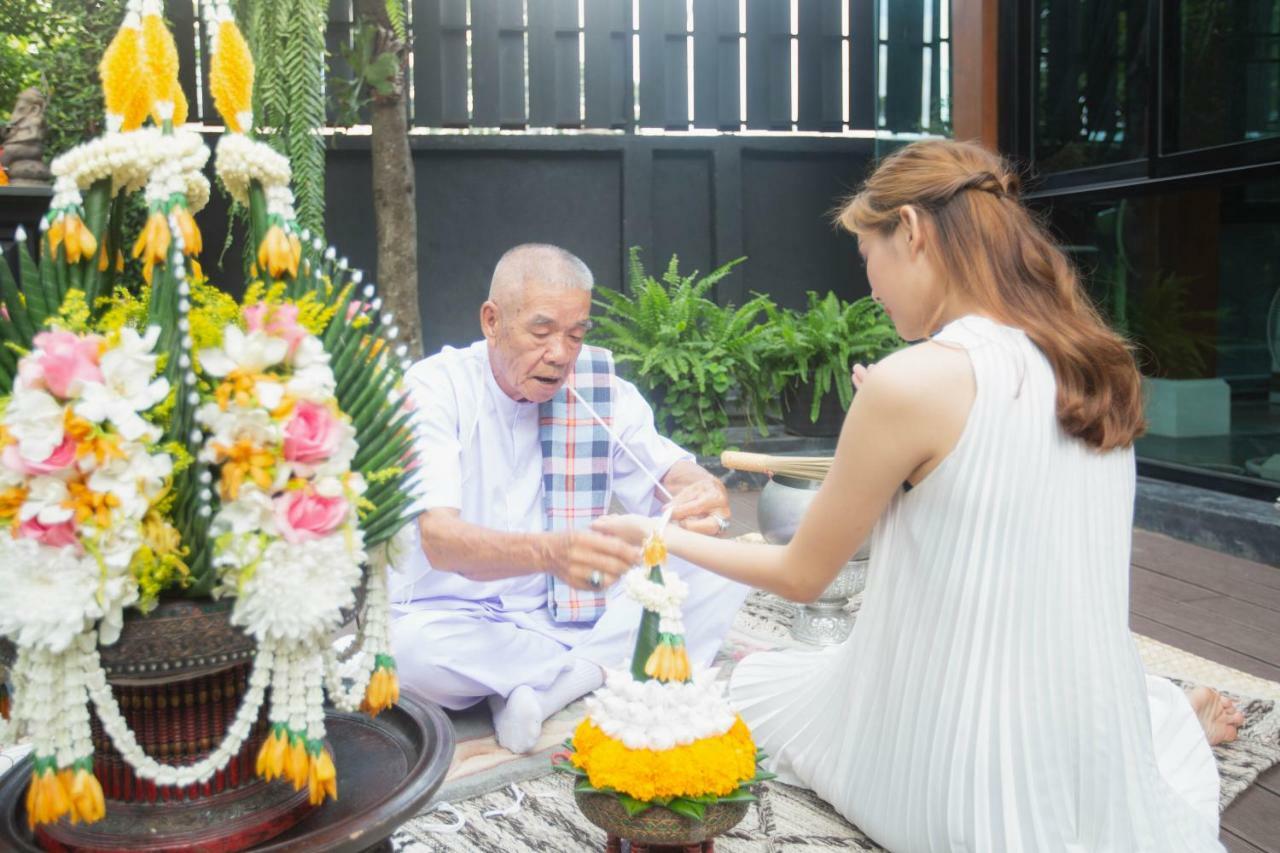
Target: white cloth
[(457, 640), (990, 696)]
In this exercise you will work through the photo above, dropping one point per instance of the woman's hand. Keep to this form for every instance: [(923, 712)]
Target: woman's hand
[(633, 529)]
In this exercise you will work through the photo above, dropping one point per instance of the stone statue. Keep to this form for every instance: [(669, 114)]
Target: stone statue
[(23, 141)]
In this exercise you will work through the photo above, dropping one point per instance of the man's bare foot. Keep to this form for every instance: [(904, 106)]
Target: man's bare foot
[(1218, 715)]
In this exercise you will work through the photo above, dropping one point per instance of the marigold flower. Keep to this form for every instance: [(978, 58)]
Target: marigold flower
[(152, 243), (191, 240), (279, 253), (243, 460), (88, 504), (715, 766), (231, 77)]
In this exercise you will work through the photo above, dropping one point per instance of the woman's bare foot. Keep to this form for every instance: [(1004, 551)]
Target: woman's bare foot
[(1218, 715)]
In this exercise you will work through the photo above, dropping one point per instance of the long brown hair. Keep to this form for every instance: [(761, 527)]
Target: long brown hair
[(994, 250)]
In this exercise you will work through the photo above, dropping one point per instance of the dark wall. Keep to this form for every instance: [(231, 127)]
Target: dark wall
[(707, 200)]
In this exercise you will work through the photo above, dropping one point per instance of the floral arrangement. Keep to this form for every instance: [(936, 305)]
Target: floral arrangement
[(660, 735), (158, 438)]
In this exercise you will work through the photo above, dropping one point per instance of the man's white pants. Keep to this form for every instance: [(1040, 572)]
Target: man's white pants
[(457, 652)]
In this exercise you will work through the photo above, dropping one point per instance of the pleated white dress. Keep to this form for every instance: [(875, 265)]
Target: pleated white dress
[(990, 697)]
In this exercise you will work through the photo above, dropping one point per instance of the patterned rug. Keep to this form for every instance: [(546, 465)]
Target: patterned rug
[(492, 802)]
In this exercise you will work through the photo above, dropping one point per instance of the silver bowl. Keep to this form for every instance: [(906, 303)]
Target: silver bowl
[(783, 503)]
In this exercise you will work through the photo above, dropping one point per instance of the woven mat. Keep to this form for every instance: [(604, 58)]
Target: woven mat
[(531, 808)]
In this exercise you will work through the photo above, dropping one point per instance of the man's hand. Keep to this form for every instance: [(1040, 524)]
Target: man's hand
[(699, 501), (576, 557)]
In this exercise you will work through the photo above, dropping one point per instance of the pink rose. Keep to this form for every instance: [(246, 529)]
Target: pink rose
[(302, 514), (56, 535), (61, 359), (60, 458), (312, 434), (278, 320)]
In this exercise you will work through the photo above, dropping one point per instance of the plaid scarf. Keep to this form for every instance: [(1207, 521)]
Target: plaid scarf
[(577, 469)]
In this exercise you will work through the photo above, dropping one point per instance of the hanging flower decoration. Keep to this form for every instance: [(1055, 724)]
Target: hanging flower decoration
[(159, 438)]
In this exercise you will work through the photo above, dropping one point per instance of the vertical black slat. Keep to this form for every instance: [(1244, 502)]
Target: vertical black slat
[(337, 39), (497, 63), (664, 80), (554, 82), (904, 78), (440, 63), (716, 101), (863, 86), (820, 69), (607, 76), (181, 15), (769, 64)]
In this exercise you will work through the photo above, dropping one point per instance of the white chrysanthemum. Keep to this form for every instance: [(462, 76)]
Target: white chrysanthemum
[(47, 595), (34, 418), (295, 589)]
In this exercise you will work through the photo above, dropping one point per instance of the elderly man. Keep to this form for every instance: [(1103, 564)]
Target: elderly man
[(508, 599)]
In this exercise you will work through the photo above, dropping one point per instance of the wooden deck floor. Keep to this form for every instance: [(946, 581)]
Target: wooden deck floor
[(1219, 607)]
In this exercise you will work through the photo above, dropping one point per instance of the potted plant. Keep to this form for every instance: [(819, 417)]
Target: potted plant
[(807, 357), (235, 469), (1180, 400), (683, 350)]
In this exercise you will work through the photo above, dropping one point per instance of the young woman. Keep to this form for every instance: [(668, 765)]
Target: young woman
[(990, 697)]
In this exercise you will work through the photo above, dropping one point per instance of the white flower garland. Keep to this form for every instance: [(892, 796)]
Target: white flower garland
[(241, 160), (664, 598), (374, 639), (130, 159), (145, 766)]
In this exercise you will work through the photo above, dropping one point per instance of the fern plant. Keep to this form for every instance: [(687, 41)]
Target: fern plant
[(287, 39), (683, 350), (820, 346)]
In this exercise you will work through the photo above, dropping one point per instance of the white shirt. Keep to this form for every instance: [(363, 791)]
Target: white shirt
[(482, 455)]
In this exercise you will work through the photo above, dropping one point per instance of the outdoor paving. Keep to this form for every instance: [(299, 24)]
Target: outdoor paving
[(1213, 605)]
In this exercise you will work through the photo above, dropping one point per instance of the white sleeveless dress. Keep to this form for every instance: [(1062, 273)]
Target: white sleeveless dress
[(990, 697)]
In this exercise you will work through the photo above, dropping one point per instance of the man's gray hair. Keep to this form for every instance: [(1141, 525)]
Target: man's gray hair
[(539, 263)]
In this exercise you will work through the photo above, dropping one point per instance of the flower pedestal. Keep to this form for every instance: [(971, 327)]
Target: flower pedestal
[(179, 675)]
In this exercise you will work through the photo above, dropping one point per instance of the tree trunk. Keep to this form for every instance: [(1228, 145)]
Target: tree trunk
[(395, 214)]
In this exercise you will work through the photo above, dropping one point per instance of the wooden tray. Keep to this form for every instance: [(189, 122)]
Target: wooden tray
[(389, 767)]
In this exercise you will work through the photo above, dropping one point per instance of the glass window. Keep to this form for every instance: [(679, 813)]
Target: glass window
[(1225, 70), (1090, 83), (1193, 277)]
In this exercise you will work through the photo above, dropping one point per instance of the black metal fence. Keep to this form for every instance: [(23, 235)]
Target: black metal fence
[(827, 66)]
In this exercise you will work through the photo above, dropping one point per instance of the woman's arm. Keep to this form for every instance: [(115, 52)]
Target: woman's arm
[(905, 419)]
